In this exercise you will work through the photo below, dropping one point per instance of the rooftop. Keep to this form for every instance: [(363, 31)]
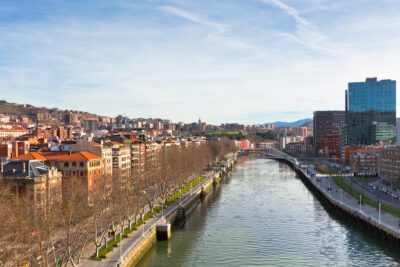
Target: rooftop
[(58, 156)]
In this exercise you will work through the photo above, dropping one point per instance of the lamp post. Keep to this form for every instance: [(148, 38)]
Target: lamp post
[(379, 214), (360, 203), (341, 196), (180, 197)]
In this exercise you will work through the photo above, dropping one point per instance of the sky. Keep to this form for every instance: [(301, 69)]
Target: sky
[(246, 61)]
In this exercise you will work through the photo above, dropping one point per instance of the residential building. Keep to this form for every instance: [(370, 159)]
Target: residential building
[(371, 112), (328, 127), (303, 131), (42, 116), (70, 117), (73, 165), (97, 149), (90, 126), (243, 144), (5, 152), (12, 132), (33, 180), (138, 152), (295, 148), (121, 159), (389, 165), (365, 161)]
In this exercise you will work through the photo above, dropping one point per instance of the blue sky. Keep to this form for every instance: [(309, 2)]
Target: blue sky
[(248, 61)]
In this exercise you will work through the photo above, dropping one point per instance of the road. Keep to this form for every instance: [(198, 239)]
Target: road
[(376, 194), (326, 184)]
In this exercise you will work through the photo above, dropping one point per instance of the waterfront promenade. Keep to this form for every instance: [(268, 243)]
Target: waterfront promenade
[(120, 254), (323, 183), (337, 196), (326, 186)]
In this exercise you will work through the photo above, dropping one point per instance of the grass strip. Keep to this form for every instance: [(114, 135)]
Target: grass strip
[(149, 215), (342, 183)]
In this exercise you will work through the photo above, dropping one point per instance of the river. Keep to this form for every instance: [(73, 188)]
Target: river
[(263, 215)]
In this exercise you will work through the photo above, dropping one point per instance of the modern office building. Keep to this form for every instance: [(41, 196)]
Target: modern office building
[(398, 130), (370, 112), (328, 127)]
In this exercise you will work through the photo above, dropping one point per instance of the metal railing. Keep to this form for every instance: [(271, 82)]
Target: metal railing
[(361, 213), (125, 255)]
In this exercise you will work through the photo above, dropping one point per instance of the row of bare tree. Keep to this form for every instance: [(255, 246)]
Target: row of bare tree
[(82, 222)]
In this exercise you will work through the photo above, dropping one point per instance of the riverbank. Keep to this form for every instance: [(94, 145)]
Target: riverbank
[(187, 203), (381, 225), (135, 246), (264, 215)]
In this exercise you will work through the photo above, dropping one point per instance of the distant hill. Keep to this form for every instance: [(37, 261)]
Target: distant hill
[(298, 123), (26, 109), (18, 109)]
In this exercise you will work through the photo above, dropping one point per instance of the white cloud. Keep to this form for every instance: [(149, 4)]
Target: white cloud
[(194, 18), (234, 62)]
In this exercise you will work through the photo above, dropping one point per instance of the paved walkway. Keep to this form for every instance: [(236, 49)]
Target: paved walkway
[(337, 195), (121, 252)]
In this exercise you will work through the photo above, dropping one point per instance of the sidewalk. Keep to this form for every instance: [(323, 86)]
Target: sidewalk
[(340, 197), (121, 252)]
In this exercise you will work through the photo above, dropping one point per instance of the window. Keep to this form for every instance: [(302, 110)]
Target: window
[(66, 165), (74, 164), (82, 174), (82, 164)]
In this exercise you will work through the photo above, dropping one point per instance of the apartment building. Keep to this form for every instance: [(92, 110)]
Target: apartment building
[(97, 149), (365, 161), (33, 181), (389, 165)]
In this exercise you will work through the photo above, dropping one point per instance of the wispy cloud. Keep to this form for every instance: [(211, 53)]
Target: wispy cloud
[(224, 60), (220, 32), (194, 18), (307, 33), (302, 22)]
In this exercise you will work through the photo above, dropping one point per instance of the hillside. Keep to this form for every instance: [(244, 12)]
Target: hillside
[(298, 123)]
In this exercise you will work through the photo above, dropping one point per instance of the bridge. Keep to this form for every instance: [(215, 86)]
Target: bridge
[(270, 153)]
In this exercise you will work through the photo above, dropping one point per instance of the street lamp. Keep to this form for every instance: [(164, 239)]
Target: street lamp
[(162, 209), (341, 196), (379, 213), (360, 203)]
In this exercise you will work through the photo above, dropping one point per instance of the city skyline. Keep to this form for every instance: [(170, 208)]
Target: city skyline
[(250, 62)]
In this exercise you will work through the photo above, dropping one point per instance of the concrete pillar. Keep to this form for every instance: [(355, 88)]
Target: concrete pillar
[(163, 232)]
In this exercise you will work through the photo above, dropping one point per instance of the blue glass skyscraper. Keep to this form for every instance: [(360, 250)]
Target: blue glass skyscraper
[(371, 112)]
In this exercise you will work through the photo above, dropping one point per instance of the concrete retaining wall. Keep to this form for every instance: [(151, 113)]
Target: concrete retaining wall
[(375, 229), (143, 247)]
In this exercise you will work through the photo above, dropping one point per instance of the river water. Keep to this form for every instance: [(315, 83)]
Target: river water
[(263, 215)]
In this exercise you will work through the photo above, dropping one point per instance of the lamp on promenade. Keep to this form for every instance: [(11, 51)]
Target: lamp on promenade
[(360, 203), (180, 197), (341, 196), (162, 209), (379, 214)]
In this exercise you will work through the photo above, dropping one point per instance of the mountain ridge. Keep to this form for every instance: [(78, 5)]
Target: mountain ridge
[(298, 123)]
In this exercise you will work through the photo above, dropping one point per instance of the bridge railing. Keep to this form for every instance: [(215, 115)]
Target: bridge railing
[(272, 152)]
